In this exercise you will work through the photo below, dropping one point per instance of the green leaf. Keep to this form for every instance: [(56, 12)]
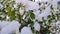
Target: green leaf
[(49, 16), (59, 4), (32, 15), (12, 16), (20, 5), (40, 22), (11, 13)]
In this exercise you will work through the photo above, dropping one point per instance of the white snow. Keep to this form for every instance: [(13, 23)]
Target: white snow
[(37, 12), (1, 5), (48, 1), (44, 14), (3, 24), (11, 28), (24, 2), (26, 30), (58, 23), (37, 26), (55, 3), (29, 5), (32, 6), (15, 5)]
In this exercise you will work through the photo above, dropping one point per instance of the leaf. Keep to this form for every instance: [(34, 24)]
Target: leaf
[(32, 16), (49, 16), (9, 10), (11, 13), (40, 22), (12, 16), (59, 4), (20, 5)]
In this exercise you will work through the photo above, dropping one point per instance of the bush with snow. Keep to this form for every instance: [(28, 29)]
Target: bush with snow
[(29, 16)]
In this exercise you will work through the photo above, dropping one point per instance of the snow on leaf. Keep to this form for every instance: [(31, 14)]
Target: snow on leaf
[(37, 26)]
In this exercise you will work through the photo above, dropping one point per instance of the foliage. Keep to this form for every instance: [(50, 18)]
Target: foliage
[(10, 10)]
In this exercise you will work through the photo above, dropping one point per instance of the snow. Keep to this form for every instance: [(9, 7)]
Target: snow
[(55, 27), (15, 5), (37, 0), (37, 26), (36, 13), (24, 2), (32, 6), (58, 23), (29, 5), (49, 1), (55, 3), (26, 30), (1, 5), (3, 24), (7, 27), (44, 14), (11, 28)]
